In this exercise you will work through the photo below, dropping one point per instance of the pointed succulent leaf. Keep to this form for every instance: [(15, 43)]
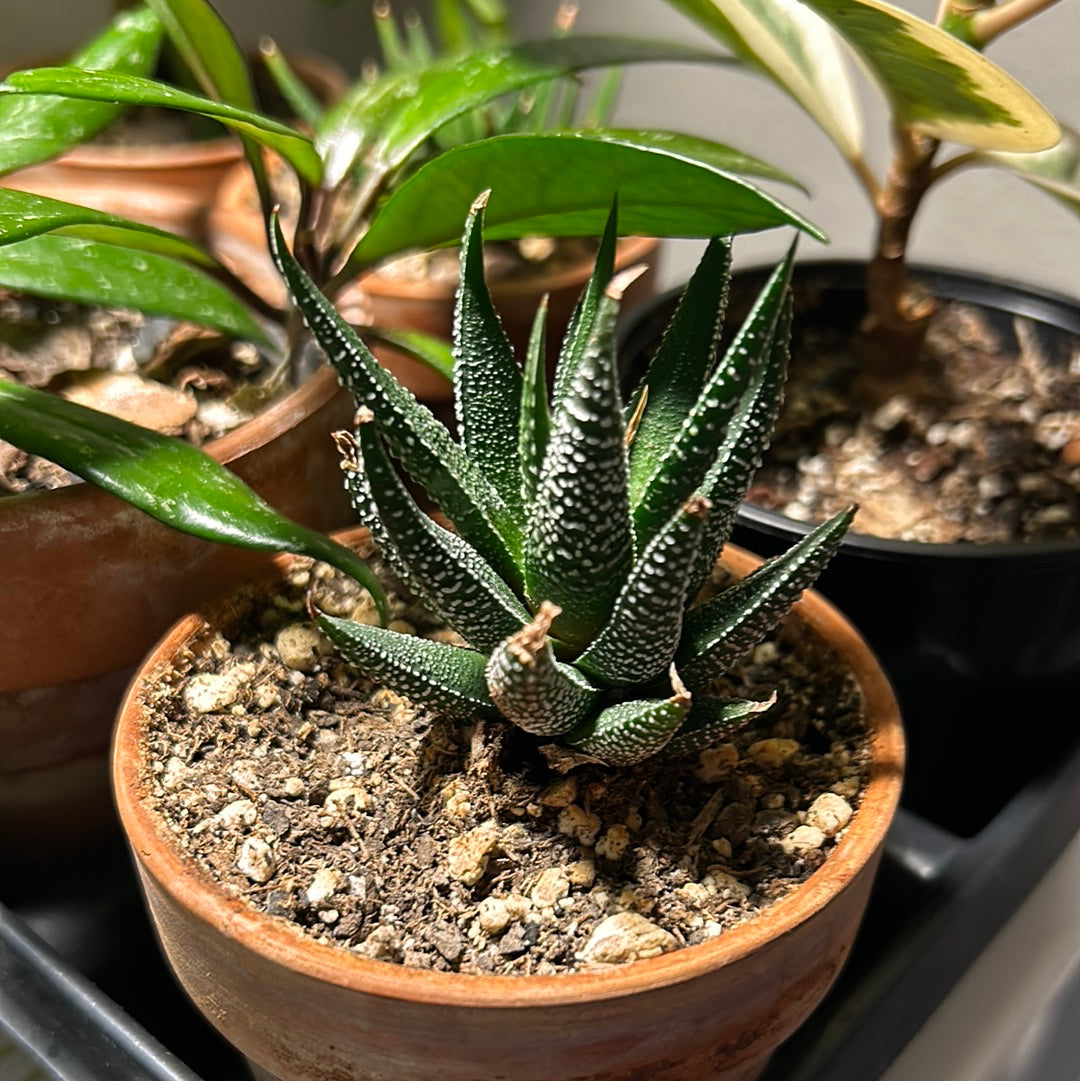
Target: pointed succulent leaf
[(448, 679), (294, 147), (560, 183), (579, 545), (639, 641), (422, 444), (531, 688), (711, 720), (682, 363), (166, 478), (91, 272), (714, 419), (534, 424), (582, 323), (37, 128), (487, 378), (433, 352), (935, 83), (446, 572), (722, 630), (748, 436), (23, 215), (629, 732)]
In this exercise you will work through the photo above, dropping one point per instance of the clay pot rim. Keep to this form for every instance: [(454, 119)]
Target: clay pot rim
[(253, 434), (154, 845)]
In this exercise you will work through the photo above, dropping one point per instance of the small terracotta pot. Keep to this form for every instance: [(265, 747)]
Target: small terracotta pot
[(237, 235), (172, 185), (89, 583), (303, 1011)]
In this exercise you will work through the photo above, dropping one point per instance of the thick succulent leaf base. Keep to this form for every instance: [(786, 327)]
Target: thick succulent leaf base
[(712, 720), (531, 688), (629, 732)]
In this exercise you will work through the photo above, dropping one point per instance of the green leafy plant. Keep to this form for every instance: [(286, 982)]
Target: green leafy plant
[(377, 171), (940, 91), (583, 529)]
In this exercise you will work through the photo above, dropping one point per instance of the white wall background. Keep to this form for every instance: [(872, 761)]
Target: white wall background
[(978, 219)]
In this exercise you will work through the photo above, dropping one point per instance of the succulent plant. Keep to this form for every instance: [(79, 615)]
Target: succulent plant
[(583, 529)]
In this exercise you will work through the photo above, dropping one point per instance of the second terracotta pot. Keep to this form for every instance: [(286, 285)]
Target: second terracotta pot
[(89, 583)]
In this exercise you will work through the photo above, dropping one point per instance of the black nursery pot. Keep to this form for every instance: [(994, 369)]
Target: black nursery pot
[(982, 642)]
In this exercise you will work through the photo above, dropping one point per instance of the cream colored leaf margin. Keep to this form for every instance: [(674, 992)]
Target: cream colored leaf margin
[(937, 85), (798, 50), (1056, 170)]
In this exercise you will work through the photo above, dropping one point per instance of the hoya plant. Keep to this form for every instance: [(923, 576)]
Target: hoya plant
[(948, 106), (583, 528), (389, 168)]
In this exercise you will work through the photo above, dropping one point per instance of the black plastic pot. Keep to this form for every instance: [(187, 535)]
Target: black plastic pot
[(982, 642)]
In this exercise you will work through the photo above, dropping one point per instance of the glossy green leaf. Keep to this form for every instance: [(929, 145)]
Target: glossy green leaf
[(24, 215), (91, 272), (1056, 171), (208, 48), (562, 184), (796, 49), (458, 85), (434, 353), (34, 129), (166, 478), (936, 84), (294, 147)]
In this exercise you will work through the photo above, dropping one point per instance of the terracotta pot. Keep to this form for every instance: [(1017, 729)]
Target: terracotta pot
[(171, 186), (301, 1010), (89, 583), (237, 236)]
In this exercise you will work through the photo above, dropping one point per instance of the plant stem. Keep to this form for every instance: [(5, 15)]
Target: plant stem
[(898, 310), (990, 23)]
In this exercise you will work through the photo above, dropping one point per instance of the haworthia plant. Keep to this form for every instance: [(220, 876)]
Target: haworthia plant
[(580, 619)]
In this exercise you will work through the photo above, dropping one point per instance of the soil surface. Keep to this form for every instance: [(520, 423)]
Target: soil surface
[(176, 379), (379, 826), (986, 449)]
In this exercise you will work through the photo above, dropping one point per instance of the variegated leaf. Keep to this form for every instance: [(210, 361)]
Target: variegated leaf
[(935, 83), (798, 50), (1056, 171)]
